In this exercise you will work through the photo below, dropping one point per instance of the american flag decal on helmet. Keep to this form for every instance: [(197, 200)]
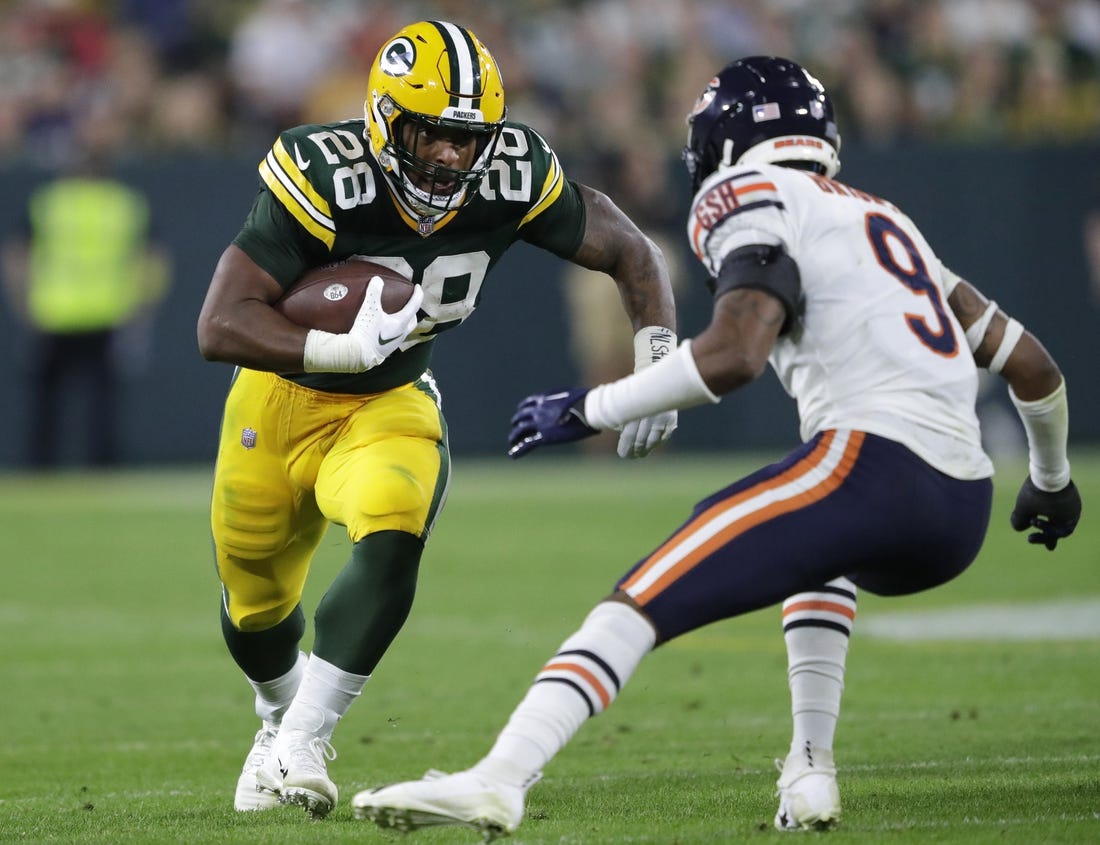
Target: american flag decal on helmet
[(248, 438), (765, 111)]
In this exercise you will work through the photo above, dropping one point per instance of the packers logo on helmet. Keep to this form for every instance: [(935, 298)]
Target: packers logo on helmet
[(433, 78), (398, 57)]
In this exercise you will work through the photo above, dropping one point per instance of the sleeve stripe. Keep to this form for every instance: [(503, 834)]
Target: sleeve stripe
[(700, 233), (290, 169), (296, 194), (551, 190)]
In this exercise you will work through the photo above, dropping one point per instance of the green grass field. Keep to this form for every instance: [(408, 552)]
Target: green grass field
[(125, 720)]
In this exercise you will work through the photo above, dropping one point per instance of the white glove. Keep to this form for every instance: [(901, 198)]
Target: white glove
[(373, 336), (640, 437), (379, 333)]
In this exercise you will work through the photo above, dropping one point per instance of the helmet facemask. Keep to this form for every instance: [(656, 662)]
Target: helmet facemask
[(428, 187)]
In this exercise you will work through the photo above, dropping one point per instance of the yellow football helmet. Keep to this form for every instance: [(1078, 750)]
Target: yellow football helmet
[(437, 76)]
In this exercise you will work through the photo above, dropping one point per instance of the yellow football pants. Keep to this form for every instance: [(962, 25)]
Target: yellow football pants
[(291, 460)]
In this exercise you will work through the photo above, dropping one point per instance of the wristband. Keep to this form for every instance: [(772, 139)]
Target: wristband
[(673, 382), (651, 344), (1046, 422), (326, 352)]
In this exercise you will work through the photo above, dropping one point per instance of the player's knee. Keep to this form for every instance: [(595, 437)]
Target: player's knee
[(251, 522), (396, 489), (262, 618), (395, 500), (250, 618)]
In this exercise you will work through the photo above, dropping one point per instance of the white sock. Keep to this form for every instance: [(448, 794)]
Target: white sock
[(274, 697), (324, 696), (581, 680), (816, 627)]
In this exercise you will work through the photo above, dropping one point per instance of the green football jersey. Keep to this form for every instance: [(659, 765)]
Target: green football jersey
[(325, 199)]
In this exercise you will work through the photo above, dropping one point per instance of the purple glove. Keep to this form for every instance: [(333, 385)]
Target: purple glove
[(556, 416)]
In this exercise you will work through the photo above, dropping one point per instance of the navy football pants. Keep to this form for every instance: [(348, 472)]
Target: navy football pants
[(846, 503)]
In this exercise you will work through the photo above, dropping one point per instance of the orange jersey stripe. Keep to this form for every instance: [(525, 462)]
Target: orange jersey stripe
[(732, 517), (756, 186), (601, 691)]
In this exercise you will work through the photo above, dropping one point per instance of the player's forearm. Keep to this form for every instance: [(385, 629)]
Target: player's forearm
[(252, 335), (1046, 422), (671, 383), (645, 287)]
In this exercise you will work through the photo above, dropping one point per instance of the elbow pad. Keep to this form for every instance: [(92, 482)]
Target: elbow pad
[(768, 268)]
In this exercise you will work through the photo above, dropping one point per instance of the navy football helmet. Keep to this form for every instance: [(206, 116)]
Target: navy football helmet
[(762, 109)]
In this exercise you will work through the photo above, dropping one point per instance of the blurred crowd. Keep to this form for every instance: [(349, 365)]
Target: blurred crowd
[(165, 76)]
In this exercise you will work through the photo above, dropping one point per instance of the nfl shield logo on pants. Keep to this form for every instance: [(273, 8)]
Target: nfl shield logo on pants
[(248, 438)]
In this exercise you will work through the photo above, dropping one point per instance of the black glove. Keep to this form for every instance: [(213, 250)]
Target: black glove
[(1055, 515)]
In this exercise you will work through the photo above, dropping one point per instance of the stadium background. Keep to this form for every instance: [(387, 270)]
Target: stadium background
[(980, 118)]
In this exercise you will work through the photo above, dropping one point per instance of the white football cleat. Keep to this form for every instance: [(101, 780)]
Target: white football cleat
[(296, 771), (808, 795), (249, 796), (465, 798)]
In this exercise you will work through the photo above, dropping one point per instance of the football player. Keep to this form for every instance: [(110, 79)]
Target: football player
[(435, 183), (880, 345)]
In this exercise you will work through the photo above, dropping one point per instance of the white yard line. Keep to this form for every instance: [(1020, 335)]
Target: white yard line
[(1070, 619)]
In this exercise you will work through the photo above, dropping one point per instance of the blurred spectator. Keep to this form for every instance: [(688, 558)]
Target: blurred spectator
[(277, 54), (83, 271), (340, 92), (871, 94), (206, 73), (1091, 240), (635, 173), (978, 110), (189, 114), (1049, 105)]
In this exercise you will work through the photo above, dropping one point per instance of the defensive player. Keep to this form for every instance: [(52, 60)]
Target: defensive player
[(324, 428), (879, 344)]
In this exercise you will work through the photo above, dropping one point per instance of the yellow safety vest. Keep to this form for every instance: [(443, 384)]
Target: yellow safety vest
[(87, 252)]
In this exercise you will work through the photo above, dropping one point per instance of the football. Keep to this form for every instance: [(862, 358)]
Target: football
[(328, 297)]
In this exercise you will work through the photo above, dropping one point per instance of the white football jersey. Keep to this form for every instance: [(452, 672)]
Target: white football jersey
[(877, 348)]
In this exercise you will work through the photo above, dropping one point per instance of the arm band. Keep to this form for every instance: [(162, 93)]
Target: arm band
[(673, 382), (326, 352), (766, 268), (976, 333), (651, 344), (1012, 334), (1046, 422)]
